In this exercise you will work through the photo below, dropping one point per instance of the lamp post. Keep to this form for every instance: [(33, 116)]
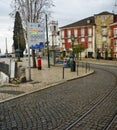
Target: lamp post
[(106, 52), (111, 53), (72, 39), (47, 43), (73, 64)]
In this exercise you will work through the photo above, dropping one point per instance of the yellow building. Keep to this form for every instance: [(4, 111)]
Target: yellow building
[(102, 31)]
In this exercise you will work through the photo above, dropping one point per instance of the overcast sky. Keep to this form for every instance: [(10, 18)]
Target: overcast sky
[(65, 12)]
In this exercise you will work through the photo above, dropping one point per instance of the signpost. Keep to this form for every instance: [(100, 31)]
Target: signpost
[(36, 36)]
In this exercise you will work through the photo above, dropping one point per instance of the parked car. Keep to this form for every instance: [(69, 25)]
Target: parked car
[(26, 55), (2, 56)]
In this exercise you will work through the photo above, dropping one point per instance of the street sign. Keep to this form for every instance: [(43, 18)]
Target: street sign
[(36, 34)]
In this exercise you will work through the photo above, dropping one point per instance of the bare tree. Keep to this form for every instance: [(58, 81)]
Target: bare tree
[(31, 11)]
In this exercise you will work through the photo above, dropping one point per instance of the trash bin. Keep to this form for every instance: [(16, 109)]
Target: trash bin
[(73, 66), (39, 62)]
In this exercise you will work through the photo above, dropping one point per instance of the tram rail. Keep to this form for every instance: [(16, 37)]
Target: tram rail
[(100, 100)]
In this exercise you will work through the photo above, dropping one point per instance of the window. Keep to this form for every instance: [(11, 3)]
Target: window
[(103, 18), (63, 41), (115, 32), (69, 33), (115, 48), (89, 39), (82, 32), (115, 45), (75, 33), (89, 45), (62, 34), (51, 28), (82, 39), (104, 31), (104, 39), (115, 42), (89, 31), (88, 21), (54, 28), (69, 40)]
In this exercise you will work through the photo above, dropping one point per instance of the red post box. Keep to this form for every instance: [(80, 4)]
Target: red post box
[(39, 62)]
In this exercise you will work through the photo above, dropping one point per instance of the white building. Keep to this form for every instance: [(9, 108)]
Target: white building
[(54, 39)]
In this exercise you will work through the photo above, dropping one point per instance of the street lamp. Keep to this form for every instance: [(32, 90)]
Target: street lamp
[(73, 64), (106, 52), (47, 42), (111, 53), (72, 39)]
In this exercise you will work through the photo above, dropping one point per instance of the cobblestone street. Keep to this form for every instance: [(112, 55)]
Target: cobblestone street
[(56, 107)]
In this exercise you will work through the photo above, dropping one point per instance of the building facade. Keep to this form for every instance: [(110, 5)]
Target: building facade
[(83, 32), (102, 29), (53, 34), (93, 33), (113, 39)]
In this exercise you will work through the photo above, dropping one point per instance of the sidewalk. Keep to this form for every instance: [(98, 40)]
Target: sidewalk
[(101, 61), (40, 79)]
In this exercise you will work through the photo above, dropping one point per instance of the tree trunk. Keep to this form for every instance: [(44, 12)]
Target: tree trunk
[(33, 58), (80, 55)]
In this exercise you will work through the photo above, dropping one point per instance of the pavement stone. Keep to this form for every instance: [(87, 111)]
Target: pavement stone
[(46, 77), (101, 61), (56, 106), (40, 79)]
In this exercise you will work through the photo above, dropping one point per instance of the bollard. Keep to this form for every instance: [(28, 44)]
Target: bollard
[(77, 69), (86, 67), (63, 72), (89, 66), (82, 66)]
